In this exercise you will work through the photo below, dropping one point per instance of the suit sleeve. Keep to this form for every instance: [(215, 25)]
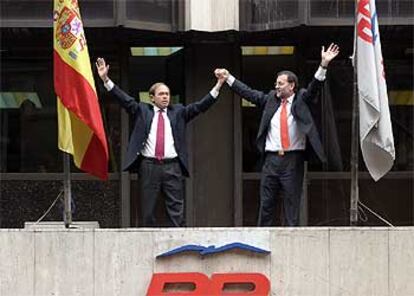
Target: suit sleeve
[(129, 103), (253, 96), (194, 109), (310, 96)]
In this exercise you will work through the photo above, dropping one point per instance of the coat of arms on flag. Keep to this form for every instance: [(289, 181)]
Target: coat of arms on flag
[(69, 30)]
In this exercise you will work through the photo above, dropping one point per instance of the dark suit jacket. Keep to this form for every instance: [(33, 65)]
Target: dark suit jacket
[(269, 103), (143, 113)]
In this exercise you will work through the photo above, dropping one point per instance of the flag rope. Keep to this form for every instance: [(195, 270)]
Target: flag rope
[(374, 213)]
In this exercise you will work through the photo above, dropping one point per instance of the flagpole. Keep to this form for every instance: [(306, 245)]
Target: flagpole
[(67, 190), (353, 212), (354, 155)]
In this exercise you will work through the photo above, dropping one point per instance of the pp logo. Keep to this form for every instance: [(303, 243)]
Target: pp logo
[(203, 286), (219, 284)]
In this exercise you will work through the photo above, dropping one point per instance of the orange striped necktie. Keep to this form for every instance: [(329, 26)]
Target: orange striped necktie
[(284, 131)]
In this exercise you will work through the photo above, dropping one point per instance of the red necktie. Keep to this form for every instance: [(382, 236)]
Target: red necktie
[(159, 143), (284, 131)]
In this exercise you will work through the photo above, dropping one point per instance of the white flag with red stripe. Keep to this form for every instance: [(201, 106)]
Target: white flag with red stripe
[(377, 141)]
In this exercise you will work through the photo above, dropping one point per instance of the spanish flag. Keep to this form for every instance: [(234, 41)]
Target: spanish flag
[(81, 131)]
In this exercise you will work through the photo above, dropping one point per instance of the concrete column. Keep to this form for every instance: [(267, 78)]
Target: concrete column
[(210, 190), (212, 15)]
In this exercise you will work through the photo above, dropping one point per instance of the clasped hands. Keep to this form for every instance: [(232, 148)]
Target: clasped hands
[(221, 74)]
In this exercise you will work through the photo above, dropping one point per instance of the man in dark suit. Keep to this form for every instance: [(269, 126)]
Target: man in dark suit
[(285, 128), (158, 144)]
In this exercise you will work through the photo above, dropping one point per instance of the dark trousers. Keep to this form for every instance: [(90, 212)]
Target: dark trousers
[(282, 177), (165, 177)]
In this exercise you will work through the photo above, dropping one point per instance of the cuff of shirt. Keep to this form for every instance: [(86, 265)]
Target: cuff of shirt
[(230, 80), (214, 92), (109, 85), (320, 74)]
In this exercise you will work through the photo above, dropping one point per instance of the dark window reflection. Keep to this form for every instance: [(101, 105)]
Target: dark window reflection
[(346, 8), (403, 8), (150, 10), (42, 10), (26, 9), (268, 14), (258, 15), (28, 116), (29, 132), (332, 8)]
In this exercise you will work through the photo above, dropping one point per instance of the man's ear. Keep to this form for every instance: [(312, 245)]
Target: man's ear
[(151, 98)]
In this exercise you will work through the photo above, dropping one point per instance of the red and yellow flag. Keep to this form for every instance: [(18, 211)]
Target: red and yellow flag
[(81, 131)]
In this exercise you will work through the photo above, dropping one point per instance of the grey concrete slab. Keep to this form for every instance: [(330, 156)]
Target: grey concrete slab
[(300, 265), (123, 262), (303, 261), (358, 262), (63, 263), (16, 263), (401, 272)]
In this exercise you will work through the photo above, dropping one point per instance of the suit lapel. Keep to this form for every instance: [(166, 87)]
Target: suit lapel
[(272, 105), (171, 116), (294, 104), (148, 120)]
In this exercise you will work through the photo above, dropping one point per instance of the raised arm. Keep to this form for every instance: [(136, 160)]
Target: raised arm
[(326, 57), (194, 109), (254, 96), (126, 101)]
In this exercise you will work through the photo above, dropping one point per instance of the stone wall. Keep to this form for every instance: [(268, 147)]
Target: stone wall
[(302, 262)]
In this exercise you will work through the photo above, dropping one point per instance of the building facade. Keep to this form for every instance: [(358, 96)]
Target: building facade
[(181, 42)]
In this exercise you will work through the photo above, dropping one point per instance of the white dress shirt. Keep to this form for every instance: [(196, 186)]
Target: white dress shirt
[(149, 147), (296, 137)]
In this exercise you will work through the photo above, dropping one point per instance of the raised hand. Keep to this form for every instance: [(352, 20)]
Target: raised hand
[(328, 55), (221, 74), (103, 69), (220, 80)]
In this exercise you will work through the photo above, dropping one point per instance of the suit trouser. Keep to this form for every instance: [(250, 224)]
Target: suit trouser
[(165, 177), (282, 176)]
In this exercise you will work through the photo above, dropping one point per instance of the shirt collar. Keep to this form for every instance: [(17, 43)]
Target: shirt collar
[(290, 99), (156, 109)]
